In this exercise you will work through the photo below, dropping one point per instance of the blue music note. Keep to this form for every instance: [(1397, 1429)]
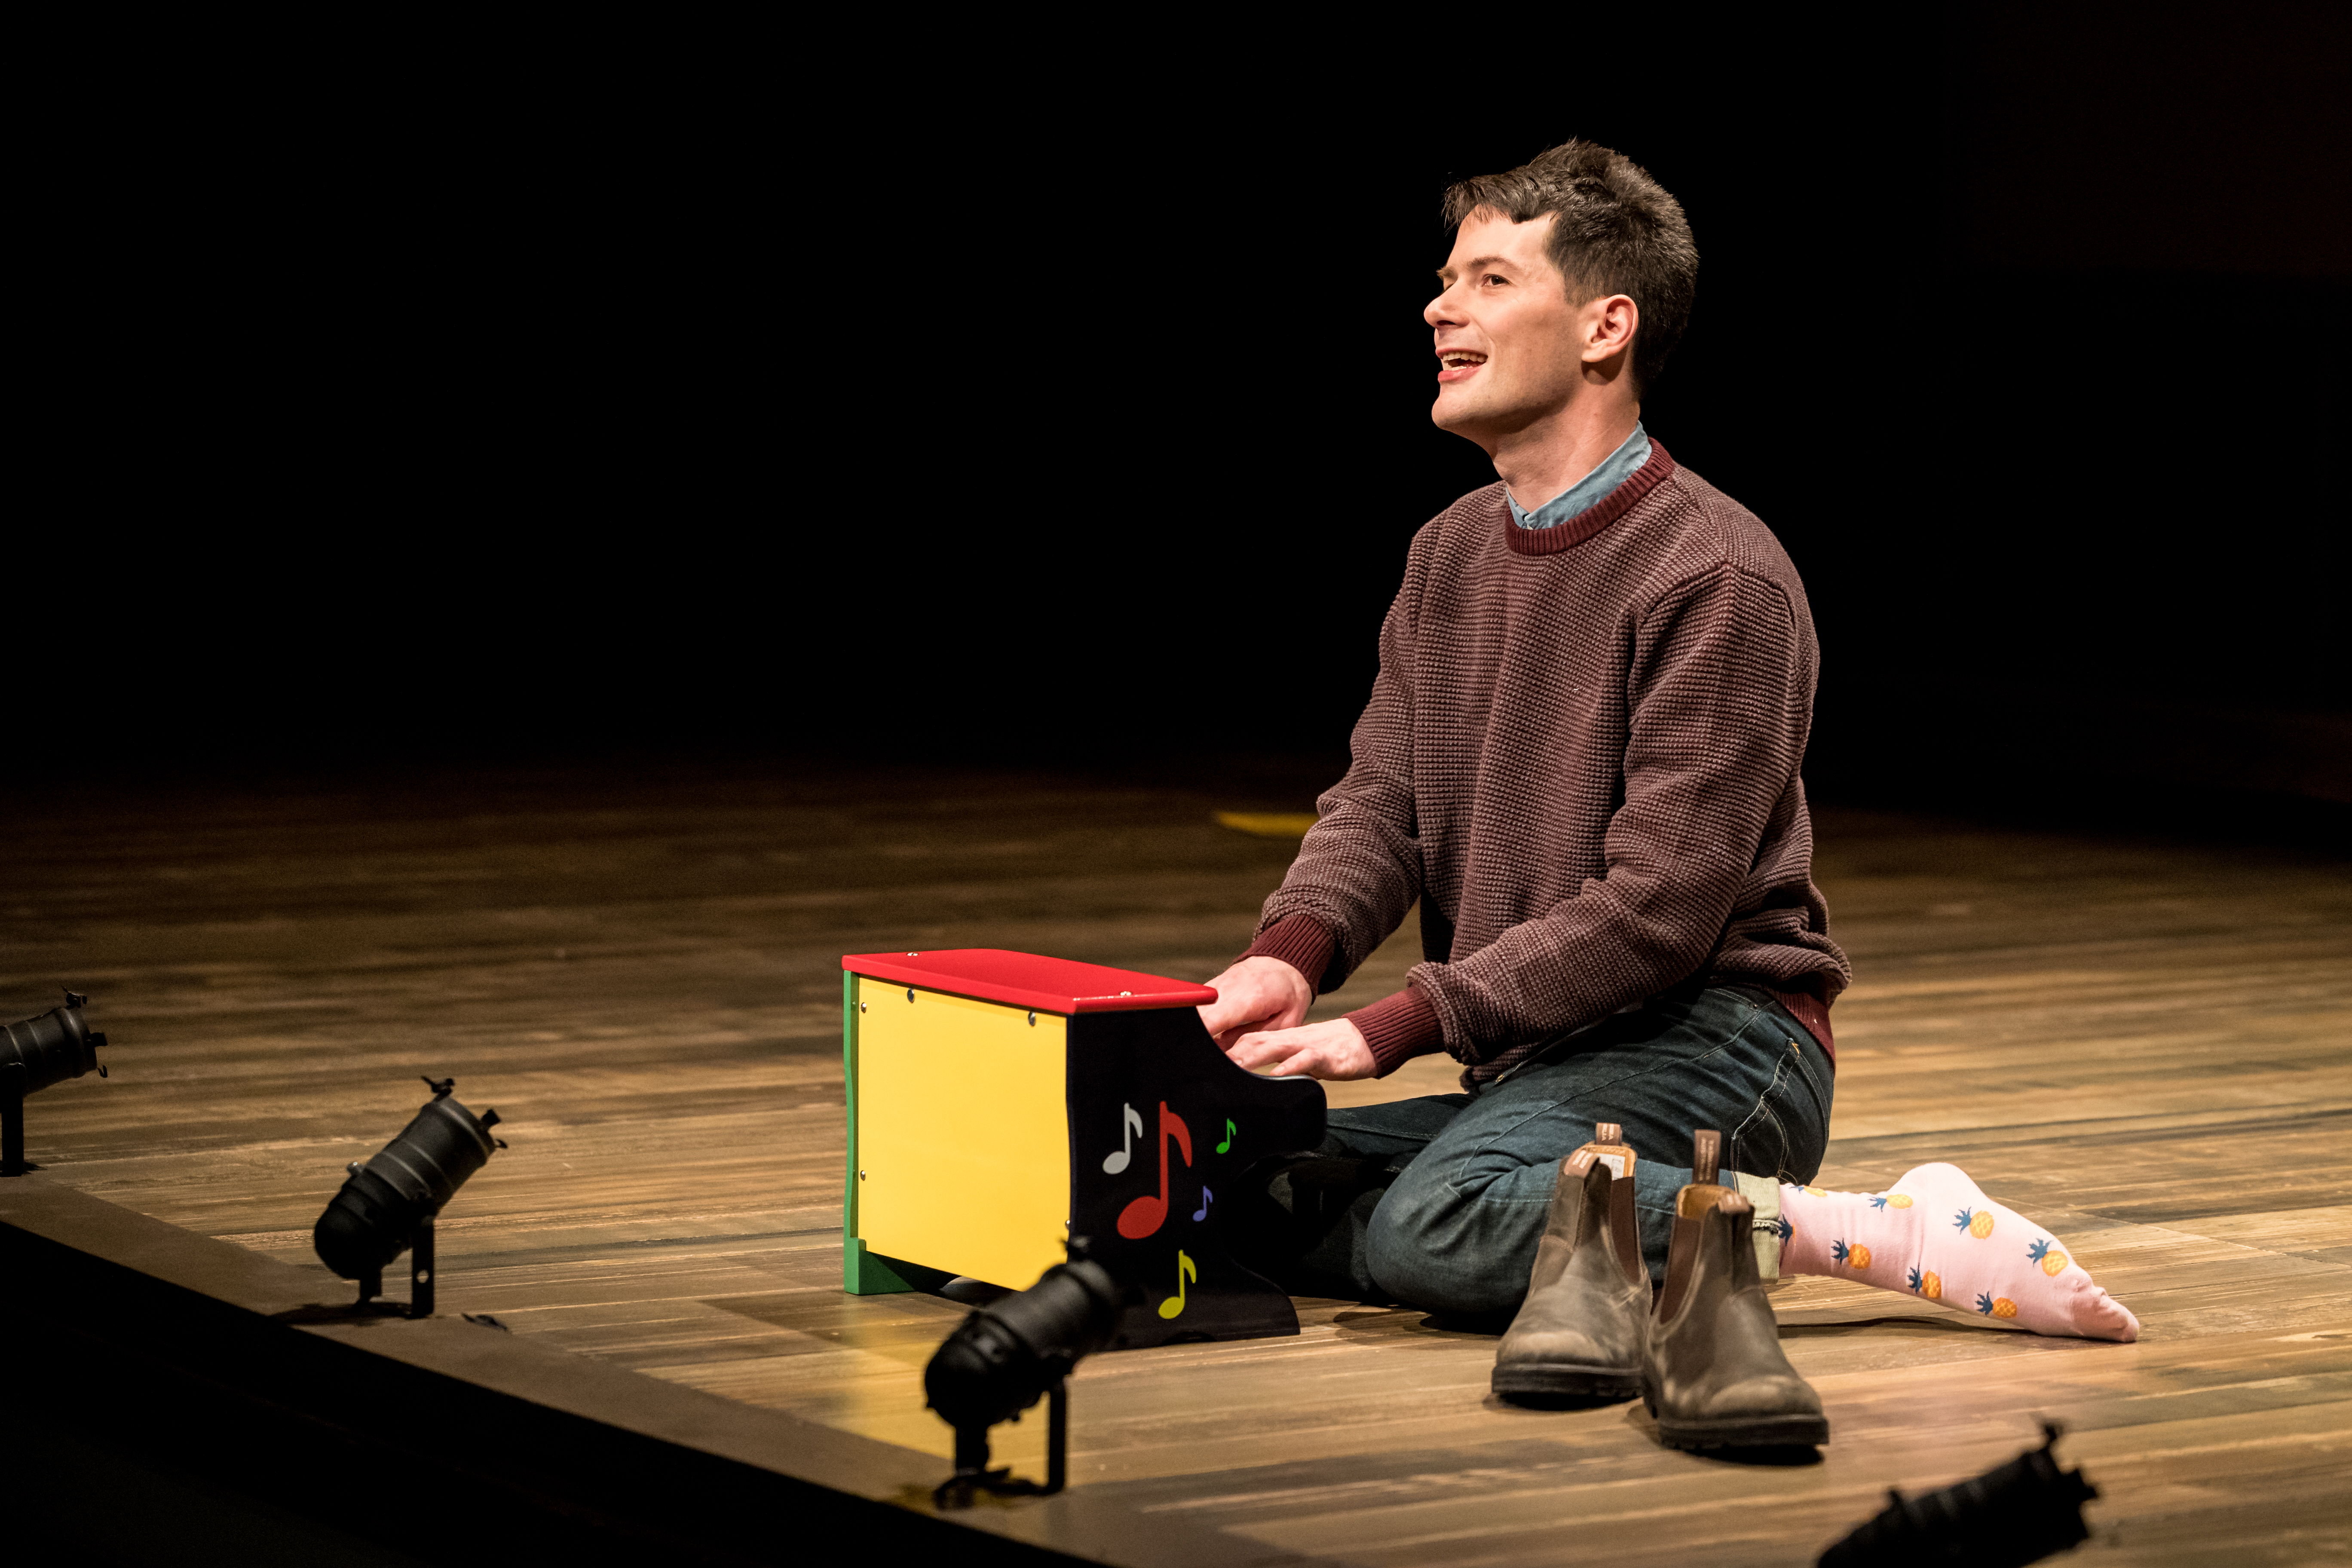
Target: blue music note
[(1203, 1211)]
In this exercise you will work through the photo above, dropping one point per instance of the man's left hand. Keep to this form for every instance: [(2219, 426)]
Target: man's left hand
[(1332, 1050)]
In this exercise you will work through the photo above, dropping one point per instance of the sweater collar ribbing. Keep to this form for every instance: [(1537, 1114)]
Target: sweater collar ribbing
[(1586, 524)]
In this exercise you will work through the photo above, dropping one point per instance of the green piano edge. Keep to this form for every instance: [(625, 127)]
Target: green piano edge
[(853, 1271), (868, 1273)]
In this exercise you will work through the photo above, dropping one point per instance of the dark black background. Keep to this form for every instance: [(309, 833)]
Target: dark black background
[(732, 396)]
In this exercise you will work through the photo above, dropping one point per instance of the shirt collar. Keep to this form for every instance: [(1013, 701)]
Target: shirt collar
[(1591, 489)]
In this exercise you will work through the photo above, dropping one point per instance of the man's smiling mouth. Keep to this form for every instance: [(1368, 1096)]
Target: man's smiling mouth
[(1460, 358)]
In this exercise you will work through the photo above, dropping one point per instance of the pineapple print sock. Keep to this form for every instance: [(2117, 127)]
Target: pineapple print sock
[(1934, 1234)]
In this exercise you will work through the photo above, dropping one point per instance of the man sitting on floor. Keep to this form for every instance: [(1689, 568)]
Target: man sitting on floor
[(1581, 757)]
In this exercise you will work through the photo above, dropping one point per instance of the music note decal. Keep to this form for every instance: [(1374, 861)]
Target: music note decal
[(1185, 1275), (1148, 1213), (1230, 1130), (1203, 1211), (1130, 1125)]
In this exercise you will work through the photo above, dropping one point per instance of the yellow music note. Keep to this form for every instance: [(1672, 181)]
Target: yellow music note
[(1185, 1273)]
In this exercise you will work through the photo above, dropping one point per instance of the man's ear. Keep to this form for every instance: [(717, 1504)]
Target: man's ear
[(1609, 322)]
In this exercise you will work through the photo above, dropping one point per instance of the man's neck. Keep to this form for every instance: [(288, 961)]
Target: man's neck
[(1543, 460)]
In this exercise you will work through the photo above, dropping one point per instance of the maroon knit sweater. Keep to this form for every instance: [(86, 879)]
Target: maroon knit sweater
[(1581, 755)]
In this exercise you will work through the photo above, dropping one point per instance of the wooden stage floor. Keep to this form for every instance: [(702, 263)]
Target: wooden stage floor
[(2146, 1048)]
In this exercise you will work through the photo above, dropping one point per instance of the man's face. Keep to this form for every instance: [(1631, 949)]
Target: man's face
[(1507, 335)]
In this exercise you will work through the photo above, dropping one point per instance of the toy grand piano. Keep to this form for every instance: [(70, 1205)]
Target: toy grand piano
[(1001, 1103)]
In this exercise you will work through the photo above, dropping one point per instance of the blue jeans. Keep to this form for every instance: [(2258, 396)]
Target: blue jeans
[(1472, 1174)]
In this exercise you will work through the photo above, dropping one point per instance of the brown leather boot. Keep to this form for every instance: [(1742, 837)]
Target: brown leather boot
[(1578, 1335), (1713, 1375)]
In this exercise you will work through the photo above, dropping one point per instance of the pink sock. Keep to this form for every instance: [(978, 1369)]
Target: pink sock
[(1934, 1234)]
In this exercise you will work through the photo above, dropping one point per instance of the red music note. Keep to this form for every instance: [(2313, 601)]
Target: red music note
[(1146, 1215)]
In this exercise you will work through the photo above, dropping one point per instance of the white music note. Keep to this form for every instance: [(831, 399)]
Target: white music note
[(1130, 1125)]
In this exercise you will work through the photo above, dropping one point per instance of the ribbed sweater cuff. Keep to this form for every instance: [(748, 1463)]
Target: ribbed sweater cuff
[(1397, 1028), (1300, 941)]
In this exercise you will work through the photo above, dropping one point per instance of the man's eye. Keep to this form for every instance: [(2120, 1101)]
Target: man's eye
[(1494, 278)]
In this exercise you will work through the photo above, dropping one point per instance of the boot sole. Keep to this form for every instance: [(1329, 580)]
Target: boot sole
[(1749, 1432), (1558, 1380)]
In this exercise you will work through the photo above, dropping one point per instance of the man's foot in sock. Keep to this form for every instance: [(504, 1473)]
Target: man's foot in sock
[(1935, 1235)]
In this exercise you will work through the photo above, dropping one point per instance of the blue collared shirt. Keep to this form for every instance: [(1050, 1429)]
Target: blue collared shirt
[(1591, 489)]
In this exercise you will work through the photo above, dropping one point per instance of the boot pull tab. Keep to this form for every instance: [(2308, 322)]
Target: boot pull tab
[(1579, 1163), (1609, 1147), (1706, 1156)]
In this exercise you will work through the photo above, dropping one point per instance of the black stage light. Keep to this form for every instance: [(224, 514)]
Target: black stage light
[(1002, 1357), (36, 1052), (388, 1205), (2013, 1514)]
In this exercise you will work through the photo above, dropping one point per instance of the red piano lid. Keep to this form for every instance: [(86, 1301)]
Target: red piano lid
[(1029, 980)]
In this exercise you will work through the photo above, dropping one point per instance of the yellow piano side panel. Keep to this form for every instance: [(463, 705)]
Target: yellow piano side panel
[(963, 1133)]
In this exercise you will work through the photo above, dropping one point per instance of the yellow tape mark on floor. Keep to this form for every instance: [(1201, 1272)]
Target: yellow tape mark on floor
[(1268, 824)]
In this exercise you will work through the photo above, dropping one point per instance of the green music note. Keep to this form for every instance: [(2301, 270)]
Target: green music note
[(1230, 1130), (1185, 1274)]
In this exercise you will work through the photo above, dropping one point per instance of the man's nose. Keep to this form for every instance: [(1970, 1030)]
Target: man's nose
[(1442, 312)]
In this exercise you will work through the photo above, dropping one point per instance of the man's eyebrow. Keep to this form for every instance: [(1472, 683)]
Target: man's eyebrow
[(1446, 274)]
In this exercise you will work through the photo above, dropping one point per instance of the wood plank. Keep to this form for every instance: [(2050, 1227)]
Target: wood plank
[(2140, 1045)]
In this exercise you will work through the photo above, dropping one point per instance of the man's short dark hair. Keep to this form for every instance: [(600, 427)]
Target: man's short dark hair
[(1617, 232)]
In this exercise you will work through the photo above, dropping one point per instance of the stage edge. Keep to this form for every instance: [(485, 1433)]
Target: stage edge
[(240, 1378)]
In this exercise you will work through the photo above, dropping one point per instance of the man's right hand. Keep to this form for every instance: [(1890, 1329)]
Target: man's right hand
[(1256, 995)]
